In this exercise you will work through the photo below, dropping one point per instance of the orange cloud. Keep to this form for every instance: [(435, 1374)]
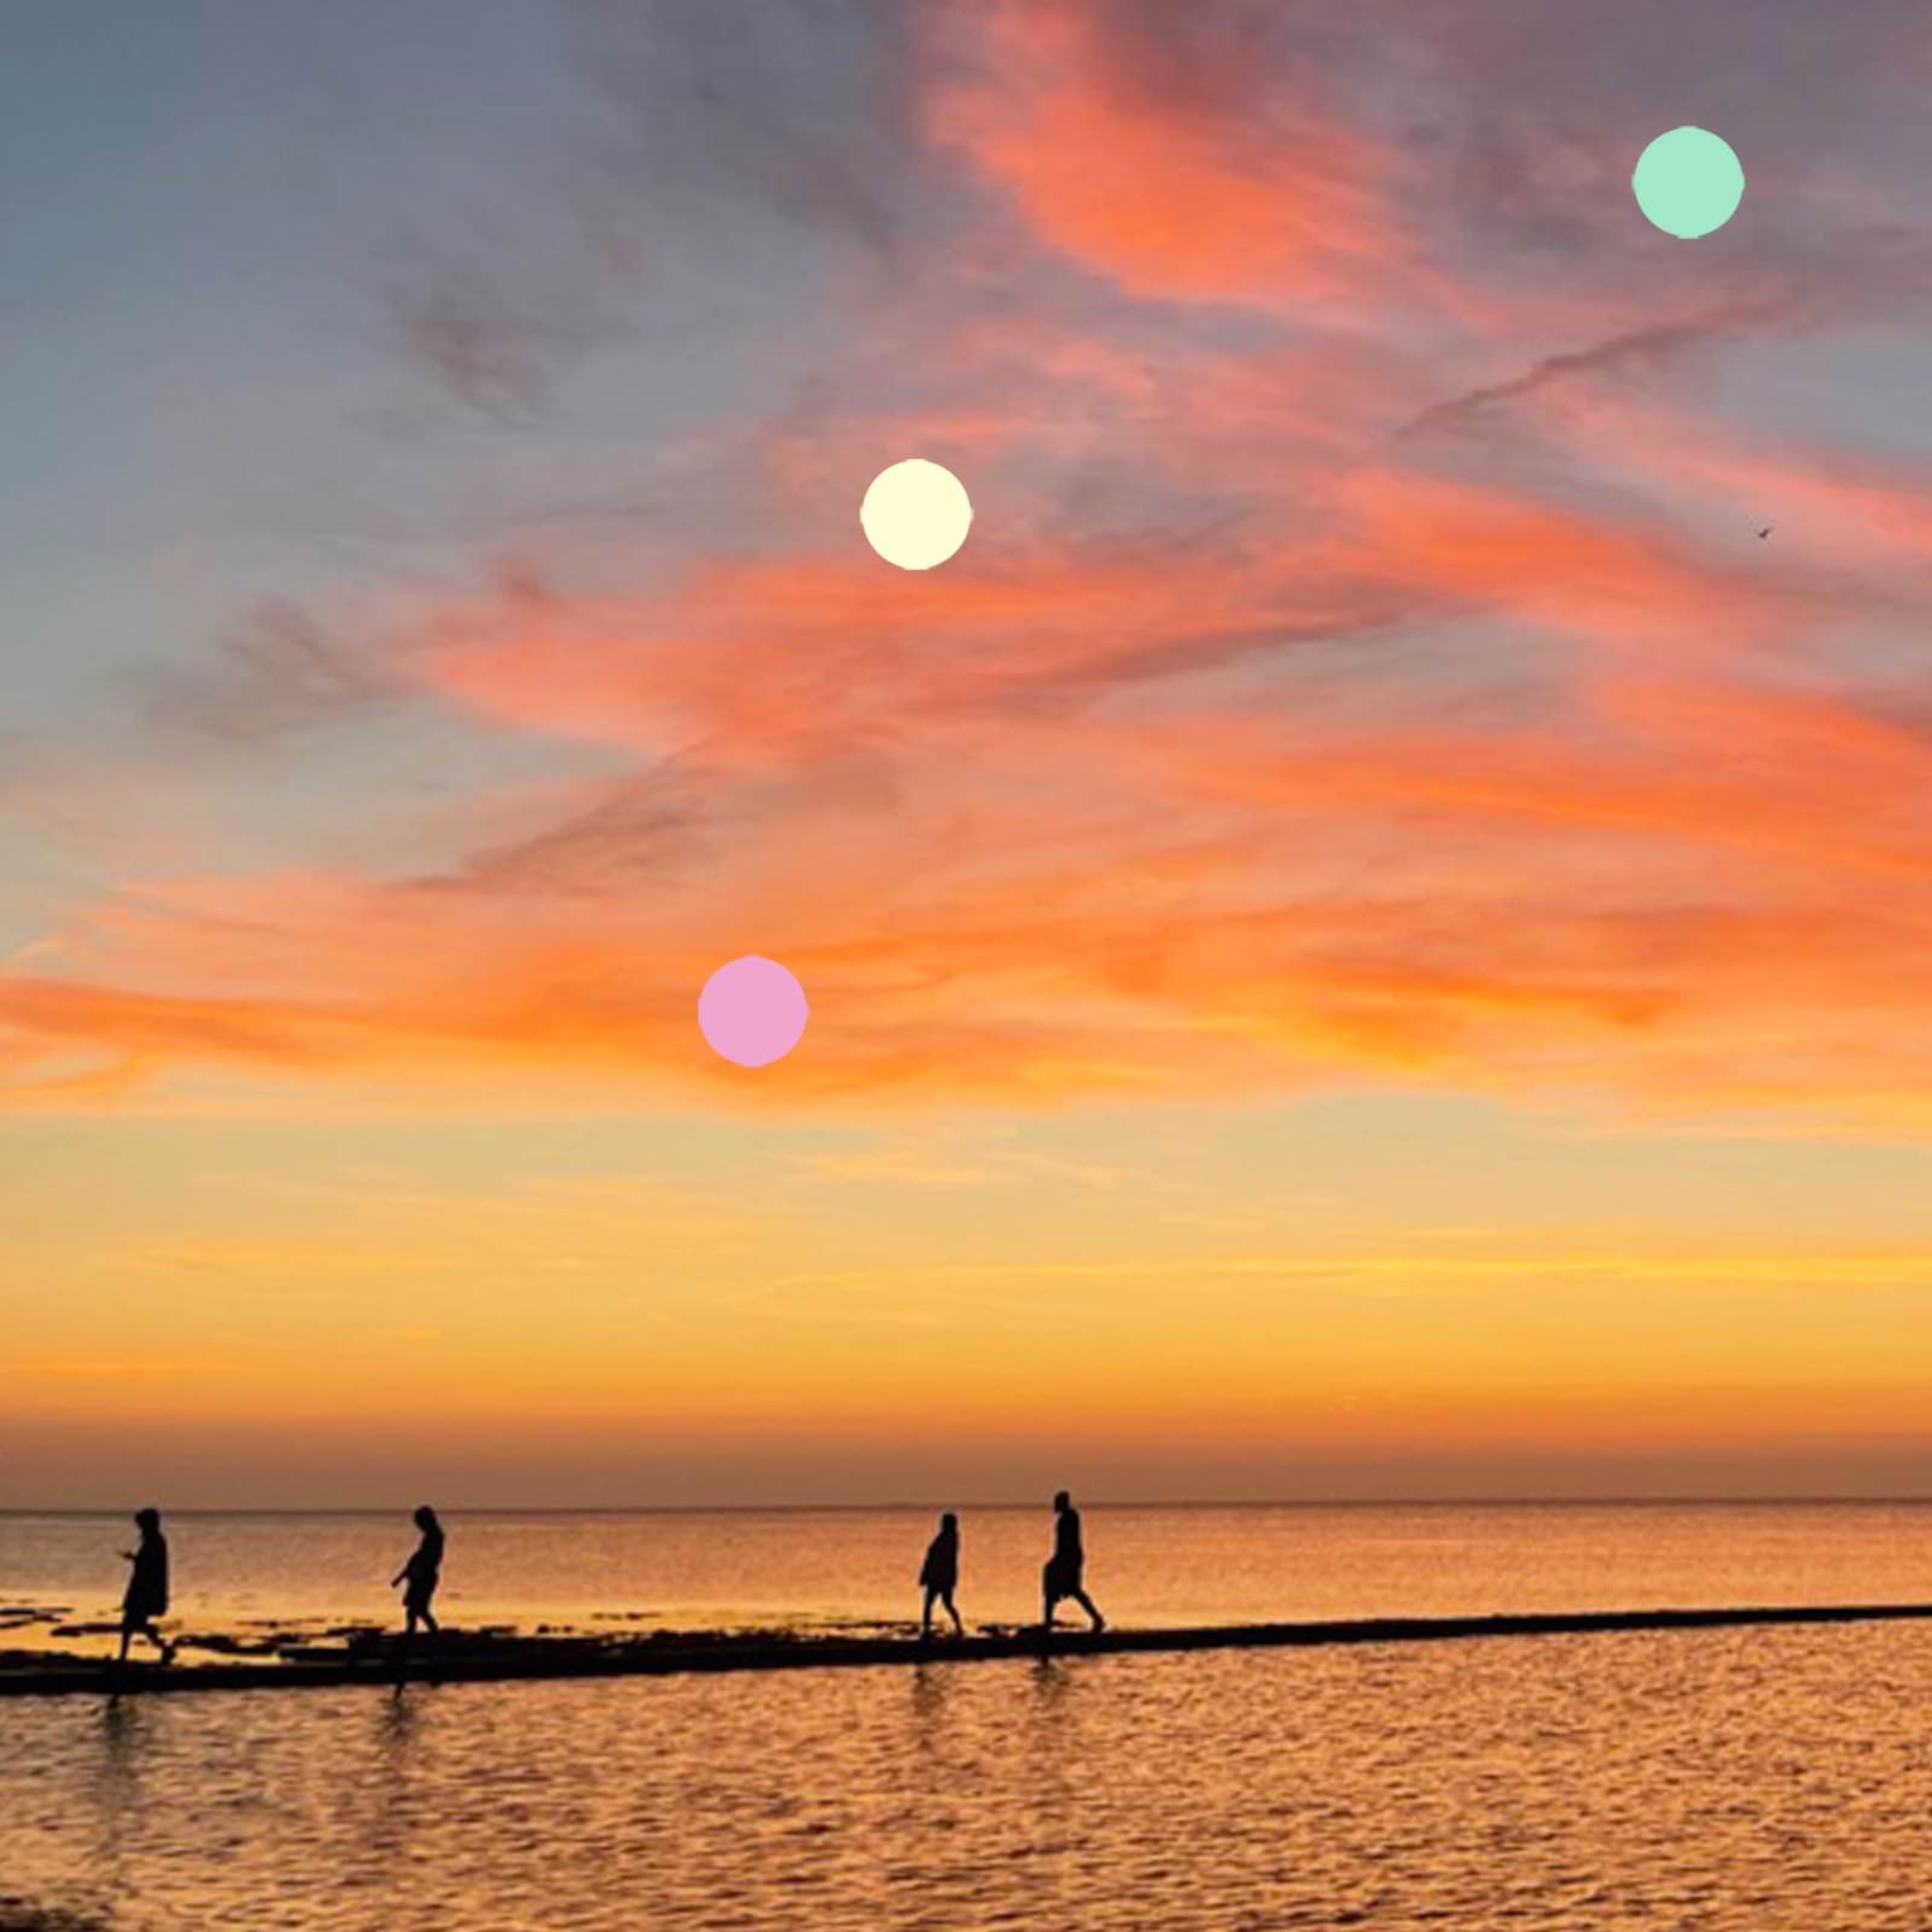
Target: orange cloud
[(1117, 155), (1080, 816)]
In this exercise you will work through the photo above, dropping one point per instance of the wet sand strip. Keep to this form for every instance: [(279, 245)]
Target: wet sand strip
[(673, 1654)]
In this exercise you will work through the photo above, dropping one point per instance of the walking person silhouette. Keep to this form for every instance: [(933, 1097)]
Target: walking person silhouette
[(939, 1576), (147, 1597), (421, 1574), (1063, 1574)]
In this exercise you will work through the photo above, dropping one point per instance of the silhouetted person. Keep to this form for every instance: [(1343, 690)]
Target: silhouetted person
[(939, 1575), (147, 1597), (1063, 1576), (421, 1574)]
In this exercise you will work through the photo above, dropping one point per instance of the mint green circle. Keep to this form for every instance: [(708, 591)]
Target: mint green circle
[(1688, 182)]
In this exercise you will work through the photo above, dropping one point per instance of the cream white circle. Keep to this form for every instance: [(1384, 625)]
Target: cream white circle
[(916, 514)]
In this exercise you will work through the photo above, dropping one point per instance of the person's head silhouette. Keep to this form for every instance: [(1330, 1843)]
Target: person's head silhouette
[(148, 1521), (425, 1519), (949, 1521), (1062, 1501)]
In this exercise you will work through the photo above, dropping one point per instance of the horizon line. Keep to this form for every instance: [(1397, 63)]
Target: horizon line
[(1912, 1500)]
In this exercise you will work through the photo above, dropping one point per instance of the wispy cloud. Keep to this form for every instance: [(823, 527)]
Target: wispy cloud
[(279, 671)]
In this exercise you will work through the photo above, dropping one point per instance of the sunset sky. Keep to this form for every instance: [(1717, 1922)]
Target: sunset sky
[(1366, 935)]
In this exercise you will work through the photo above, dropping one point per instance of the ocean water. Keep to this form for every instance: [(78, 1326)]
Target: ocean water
[(1144, 1566), (1760, 1779)]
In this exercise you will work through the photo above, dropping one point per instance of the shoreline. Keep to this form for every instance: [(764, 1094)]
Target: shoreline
[(486, 1657)]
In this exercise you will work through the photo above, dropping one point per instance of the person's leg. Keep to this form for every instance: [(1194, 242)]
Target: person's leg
[(952, 1611), (145, 1626), (925, 1614), (1086, 1602), (429, 1621)]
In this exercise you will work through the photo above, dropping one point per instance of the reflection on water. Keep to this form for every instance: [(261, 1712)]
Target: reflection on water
[(114, 1787), (1737, 1780)]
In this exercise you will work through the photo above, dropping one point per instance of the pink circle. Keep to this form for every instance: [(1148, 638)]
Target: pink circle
[(752, 1011)]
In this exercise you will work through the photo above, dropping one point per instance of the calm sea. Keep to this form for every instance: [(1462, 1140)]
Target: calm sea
[(1759, 1779)]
